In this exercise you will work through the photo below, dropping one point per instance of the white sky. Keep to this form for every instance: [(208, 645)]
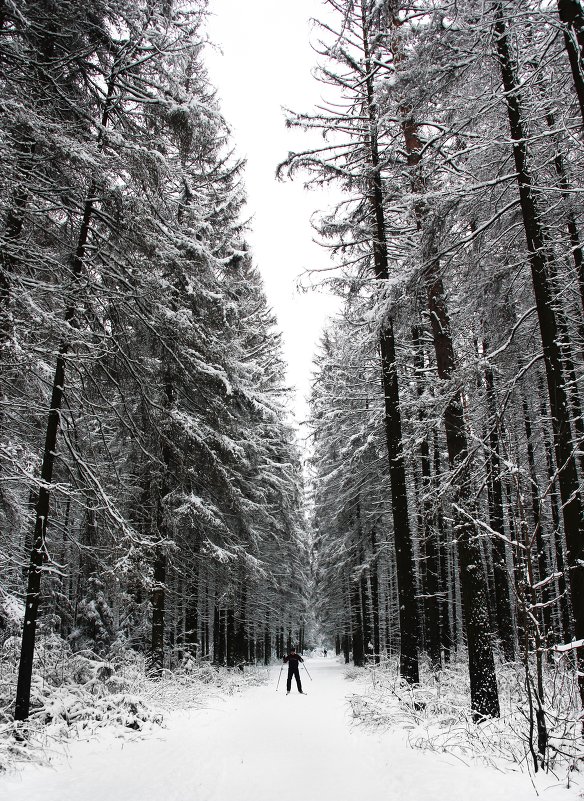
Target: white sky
[(265, 65)]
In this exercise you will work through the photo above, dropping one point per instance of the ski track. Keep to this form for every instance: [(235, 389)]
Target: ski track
[(266, 746)]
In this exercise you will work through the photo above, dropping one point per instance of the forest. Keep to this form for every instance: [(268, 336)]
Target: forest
[(159, 506)]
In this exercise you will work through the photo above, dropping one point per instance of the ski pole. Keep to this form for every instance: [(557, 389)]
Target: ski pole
[(306, 669), (279, 677)]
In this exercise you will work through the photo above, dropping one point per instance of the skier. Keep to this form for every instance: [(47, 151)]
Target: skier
[(325, 651), (293, 670)]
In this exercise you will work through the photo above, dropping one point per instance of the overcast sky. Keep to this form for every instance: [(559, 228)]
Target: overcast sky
[(265, 65)]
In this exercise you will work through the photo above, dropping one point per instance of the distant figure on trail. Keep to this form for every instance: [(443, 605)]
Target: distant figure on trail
[(293, 670), (324, 651)]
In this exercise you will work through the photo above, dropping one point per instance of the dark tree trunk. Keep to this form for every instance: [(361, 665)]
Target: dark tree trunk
[(42, 509), (446, 639), (484, 693), (497, 521), (192, 620), (404, 555), (573, 234), (267, 645), (374, 598), (409, 623), (429, 534), (12, 233), (541, 561), (38, 552), (357, 625), (230, 636), (241, 646), (221, 632), (563, 593), (158, 610), (216, 635), (539, 255), (572, 17), (346, 649)]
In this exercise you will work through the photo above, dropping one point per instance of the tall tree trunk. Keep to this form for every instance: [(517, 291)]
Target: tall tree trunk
[(429, 533), (375, 597), (484, 693), (444, 606), (267, 644), (230, 636), (158, 610), (408, 612), (483, 683), (216, 634), (357, 624), (571, 224), (541, 561), (497, 521), (563, 594), (12, 233), (38, 553), (539, 255)]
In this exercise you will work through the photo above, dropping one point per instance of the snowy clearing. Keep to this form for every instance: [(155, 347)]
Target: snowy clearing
[(261, 745)]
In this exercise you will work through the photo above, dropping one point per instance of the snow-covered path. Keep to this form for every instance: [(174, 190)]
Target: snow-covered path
[(266, 746)]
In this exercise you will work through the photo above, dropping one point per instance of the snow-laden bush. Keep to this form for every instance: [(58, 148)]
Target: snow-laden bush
[(436, 714), (74, 694)]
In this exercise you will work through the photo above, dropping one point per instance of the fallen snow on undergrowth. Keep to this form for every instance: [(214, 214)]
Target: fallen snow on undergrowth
[(436, 716), (75, 694)]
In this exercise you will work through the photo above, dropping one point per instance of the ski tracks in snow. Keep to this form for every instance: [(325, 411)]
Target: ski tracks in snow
[(265, 746)]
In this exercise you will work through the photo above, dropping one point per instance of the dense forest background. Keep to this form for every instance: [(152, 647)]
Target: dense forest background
[(152, 497)]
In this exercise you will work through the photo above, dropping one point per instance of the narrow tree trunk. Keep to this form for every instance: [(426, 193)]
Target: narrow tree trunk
[(357, 625), (267, 644), (375, 597), (230, 636), (571, 225), (541, 561), (563, 599), (446, 637), (497, 521), (158, 610), (429, 534), (12, 233)]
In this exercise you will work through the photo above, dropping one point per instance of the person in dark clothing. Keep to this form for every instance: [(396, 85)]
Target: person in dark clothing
[(293, 670)]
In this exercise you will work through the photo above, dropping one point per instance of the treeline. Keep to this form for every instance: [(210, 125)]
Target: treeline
[(150, 488), (446, 409)]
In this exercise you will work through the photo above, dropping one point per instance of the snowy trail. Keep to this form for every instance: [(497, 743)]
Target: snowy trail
[(266, 746)]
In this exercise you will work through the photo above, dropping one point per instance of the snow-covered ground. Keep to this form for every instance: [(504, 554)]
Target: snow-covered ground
[(265, 746)]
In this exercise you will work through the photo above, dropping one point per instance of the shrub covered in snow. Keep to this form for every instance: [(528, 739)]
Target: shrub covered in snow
[(76, 693), (436, 715)]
